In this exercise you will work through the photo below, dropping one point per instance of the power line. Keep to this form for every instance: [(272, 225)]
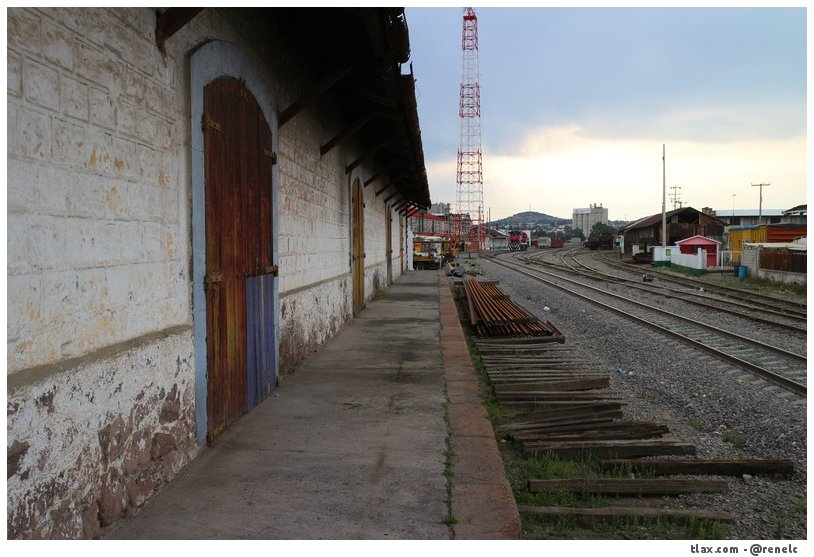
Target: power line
[(674, 197)]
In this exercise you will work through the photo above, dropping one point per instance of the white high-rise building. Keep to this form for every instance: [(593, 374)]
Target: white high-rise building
[(584, 219)]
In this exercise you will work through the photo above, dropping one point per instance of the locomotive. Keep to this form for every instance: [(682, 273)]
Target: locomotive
[(518, 240)]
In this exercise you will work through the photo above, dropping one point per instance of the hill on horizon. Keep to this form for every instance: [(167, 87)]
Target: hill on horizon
[(528, 219)]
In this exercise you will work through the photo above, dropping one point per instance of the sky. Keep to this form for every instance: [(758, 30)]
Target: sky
[(578, 104)]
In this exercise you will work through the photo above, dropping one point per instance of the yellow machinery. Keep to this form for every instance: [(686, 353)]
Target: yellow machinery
[(430, 252)]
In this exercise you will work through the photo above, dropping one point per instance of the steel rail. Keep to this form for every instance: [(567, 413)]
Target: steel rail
[(755, 298), (492, 313), (779, 380), (712, 328), (686, 297)]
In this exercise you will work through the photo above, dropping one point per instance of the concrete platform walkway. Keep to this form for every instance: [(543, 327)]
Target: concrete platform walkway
[(352, 445)]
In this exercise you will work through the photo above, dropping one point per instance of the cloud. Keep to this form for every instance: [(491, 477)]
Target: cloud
[(557, 169)]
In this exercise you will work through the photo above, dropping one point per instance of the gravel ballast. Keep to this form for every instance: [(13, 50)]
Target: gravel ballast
[(725, 412)]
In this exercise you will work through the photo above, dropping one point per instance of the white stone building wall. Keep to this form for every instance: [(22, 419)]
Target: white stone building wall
[(101, 358), (100, 375)]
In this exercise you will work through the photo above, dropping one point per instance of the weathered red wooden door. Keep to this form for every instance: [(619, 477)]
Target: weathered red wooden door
[(238, 164), (358, 251), (388, 242)]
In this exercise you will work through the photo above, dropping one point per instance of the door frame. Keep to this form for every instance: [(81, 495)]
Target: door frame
[(208, 62), (357, 247)]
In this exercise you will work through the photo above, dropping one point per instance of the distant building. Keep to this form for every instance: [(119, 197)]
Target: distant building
[(796, 215), (441, 208), (585, 219), (778, 233), (681, 224), (748, 217)]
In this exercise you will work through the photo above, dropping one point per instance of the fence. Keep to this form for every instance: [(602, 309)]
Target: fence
[(792, 261), (673, 254), (728, 258)]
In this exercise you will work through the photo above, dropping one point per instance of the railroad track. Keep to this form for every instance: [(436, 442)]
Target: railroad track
[(764, 302), (785, 320), (781, 367)]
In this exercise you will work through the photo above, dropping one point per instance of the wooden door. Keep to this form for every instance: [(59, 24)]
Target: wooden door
[(240, 327), (402, 255), (388, 242), (358, 250)]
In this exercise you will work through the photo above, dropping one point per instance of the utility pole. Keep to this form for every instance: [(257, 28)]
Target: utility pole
[(663, 195), (760, 207)]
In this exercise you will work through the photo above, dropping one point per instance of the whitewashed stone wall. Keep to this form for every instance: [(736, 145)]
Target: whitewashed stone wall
[(101, 405), (101, 367), (95, 240)]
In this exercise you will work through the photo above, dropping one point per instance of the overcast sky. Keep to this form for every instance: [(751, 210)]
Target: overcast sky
[(577, 103)]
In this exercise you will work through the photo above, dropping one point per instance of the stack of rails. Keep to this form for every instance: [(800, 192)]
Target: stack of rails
[(493, 314)]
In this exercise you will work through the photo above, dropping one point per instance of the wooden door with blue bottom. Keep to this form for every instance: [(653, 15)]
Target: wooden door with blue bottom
[(240, 275)]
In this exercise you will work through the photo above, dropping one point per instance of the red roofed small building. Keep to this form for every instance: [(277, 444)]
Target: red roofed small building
[(695, 243)]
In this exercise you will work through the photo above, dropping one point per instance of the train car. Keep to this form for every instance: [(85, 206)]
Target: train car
[(599, 241), (518, 240), (557, 242)]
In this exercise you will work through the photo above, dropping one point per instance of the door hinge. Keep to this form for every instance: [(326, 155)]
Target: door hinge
[(208, 123), (271, 154), (272, 270), (211, 279)]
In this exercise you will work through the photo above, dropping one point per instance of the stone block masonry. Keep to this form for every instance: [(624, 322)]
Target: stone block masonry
[(101, 382), (91, 155), (72, 471)]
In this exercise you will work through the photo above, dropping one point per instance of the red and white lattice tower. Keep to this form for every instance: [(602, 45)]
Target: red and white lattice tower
[(469, 191)]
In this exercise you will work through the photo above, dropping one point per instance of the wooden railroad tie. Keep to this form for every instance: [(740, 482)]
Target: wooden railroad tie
[(546, 397), (521, 385), (713, 467), (565, 413), (593, 432), (639, 486), (609, 448), (613, 513)]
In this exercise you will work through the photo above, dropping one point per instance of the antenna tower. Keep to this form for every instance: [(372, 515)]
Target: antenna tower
[(470, 170)]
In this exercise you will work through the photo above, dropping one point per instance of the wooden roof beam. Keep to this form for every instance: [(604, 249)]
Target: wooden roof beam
[(366, 155), (170, 21), (314, 93), (385, 188), (346, 133), (379, 174)]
